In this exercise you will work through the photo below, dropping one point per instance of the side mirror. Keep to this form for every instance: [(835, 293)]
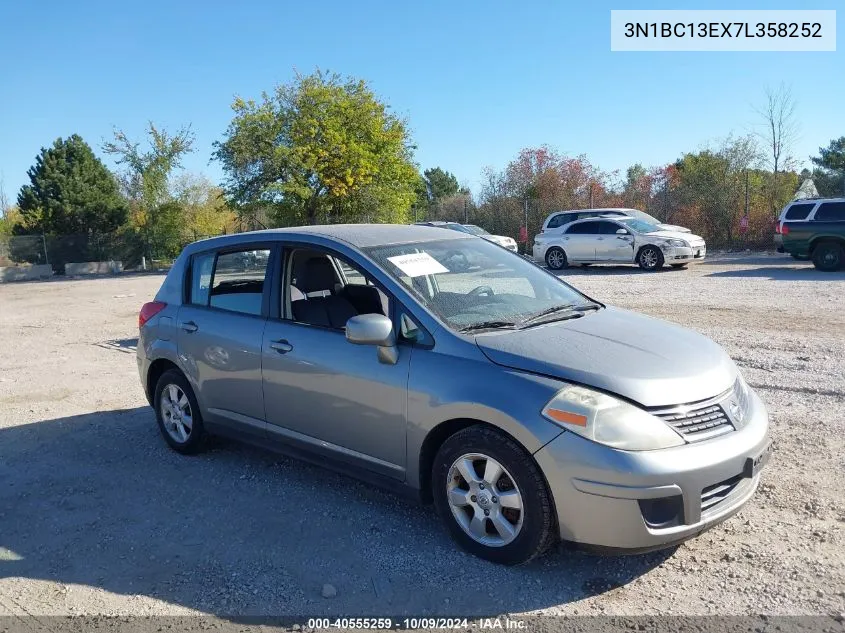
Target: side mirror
[(621, 232), (374, 329)]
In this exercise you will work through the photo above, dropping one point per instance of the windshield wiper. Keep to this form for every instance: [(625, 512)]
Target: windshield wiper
[(574, 310), (488, 325)]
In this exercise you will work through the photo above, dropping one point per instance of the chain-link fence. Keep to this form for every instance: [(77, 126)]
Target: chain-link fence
[(507, 216), (131, 250)]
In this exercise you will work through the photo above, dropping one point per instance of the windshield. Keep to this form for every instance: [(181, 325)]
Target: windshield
[(473, 283), (475, 230), (640, 226), (642, 215)]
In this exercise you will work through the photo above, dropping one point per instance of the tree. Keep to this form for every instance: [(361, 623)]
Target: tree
[(712, 183), (321, 147), (204, 207), (829, 174), (146, 181), (441, 184), (70, 191), (636, 192), (779, 135)]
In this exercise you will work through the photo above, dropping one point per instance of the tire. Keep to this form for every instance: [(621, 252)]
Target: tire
[(556, 258), (828, 256), (650, 258), (532, 530), (679, 266), (173, 386)]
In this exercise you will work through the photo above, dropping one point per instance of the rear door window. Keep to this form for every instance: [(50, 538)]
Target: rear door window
[(831, 212), (798, 211), (560, 219), (238, 281)]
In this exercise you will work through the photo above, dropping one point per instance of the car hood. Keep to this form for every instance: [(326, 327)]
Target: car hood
[(649, 361), (499, 239), (676, 235), (675, 228)]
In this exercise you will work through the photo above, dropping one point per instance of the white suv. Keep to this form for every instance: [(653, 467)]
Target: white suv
[(618, 240), (557, 220)]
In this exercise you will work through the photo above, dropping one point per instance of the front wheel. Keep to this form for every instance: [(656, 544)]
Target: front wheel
[(828, 256), (492, 496), (555, 258), (650, 258)]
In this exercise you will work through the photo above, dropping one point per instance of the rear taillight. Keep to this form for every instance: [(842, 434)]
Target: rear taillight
[(777, 227), (149, 310), (784, 230)]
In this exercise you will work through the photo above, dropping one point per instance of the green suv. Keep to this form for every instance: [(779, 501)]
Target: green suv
[(814, 229)]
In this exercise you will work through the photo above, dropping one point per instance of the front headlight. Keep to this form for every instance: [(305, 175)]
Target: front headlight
[(680, 243), (608, 420)]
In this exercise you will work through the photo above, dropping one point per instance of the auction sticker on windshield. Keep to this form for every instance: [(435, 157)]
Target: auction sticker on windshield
[(417, 264)]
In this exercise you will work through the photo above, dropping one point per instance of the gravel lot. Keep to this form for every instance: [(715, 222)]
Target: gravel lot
[(97, 516)]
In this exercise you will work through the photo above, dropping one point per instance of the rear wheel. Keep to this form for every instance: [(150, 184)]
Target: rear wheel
[(555, 258), (492, 496), (650, 258), (828, 256), (178, 414)]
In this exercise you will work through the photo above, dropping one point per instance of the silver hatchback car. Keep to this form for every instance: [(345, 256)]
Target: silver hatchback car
[(525, 410)]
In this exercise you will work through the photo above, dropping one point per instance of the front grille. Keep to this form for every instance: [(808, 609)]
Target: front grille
[(697, 421), (715, 494)]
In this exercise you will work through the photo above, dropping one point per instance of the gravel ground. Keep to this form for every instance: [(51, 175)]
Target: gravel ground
[(97, 516)]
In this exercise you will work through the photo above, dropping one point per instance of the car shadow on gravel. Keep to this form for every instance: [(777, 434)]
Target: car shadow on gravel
[(99, 500)]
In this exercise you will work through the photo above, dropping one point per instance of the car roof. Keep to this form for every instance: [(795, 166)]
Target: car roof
[(612, 218), (357, 235)]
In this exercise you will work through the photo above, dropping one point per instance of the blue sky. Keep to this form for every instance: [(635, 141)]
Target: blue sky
[(477, 81)]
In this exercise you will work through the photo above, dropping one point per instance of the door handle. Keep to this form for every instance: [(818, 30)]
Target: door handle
[(600, 239), (190, 327), (281, 346)]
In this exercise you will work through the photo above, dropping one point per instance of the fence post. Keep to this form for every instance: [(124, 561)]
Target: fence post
[(44, 244)]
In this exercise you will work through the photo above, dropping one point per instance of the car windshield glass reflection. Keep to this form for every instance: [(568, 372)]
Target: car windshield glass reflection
[(641, 226), (472, 284)]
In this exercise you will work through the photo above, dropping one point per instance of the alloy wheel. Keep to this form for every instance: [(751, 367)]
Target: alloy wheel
[(649, 258), (484, 499), (556, 259), (176, 413)]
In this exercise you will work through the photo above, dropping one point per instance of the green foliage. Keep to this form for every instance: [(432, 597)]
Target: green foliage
[(829, 174), (70, 191), (319, 148), (156, 217), (441, 184)]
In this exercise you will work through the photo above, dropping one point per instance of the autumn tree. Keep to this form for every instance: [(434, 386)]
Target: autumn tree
[(203, 206), (70, 191), (322, 147)]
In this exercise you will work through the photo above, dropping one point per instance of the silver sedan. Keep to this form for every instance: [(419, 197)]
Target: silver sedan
[(524, 410), (618, 240)]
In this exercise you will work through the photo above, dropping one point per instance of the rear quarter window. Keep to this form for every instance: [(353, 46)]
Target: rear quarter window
[(831, 212), (798, 211), (201, 267)]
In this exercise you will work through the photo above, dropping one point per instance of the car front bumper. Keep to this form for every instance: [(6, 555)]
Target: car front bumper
[(609, 499), (684, 255)]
